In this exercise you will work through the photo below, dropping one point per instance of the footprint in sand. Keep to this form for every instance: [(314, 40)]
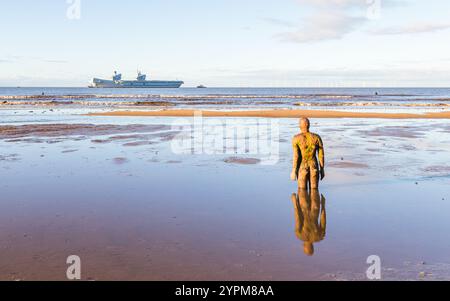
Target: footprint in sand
[(243, 161), (120, 160)]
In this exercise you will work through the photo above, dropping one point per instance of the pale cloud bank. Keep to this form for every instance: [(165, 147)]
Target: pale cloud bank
[(22, 59), (330, 20), (279, 22), (334, 77), (412, 29), (323, 26), (334, 19)]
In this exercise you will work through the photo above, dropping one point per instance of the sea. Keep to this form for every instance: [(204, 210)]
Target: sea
[(380, 99)]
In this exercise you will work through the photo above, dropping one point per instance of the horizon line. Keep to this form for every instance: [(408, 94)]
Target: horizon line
[(232, 87)]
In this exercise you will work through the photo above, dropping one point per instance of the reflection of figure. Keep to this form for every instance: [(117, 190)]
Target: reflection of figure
[(307, 147), (310, 218)]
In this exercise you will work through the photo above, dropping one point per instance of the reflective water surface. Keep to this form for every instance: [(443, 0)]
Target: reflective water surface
[(137, 211)]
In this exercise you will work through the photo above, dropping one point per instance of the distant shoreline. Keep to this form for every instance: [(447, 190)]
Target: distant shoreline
[(278, 114), (375, 88)]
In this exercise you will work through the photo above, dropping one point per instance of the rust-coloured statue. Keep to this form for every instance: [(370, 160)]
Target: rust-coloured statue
[(309, 157)]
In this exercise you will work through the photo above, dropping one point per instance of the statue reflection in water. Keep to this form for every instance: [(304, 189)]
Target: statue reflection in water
[(308, 169), (310, 218)]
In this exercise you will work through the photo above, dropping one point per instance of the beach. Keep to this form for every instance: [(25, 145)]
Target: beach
[(224, 148), (137, 196)]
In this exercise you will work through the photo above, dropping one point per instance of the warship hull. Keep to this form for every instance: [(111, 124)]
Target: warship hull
[(101, 83)]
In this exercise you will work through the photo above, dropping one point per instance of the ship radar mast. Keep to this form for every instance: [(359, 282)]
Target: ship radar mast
[(117, 77), (141, 77)]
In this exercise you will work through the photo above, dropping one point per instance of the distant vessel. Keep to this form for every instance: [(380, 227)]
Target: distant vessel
[(201, 87), (140, 82)]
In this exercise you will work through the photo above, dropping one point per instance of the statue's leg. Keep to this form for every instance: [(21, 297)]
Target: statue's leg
[(314, 177), (303, 177)]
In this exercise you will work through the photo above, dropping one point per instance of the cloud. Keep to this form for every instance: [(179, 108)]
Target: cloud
[(279, 22), (333, 19), (340, 76), (23, 59), (55, 61), (329, 20), (323, 26), (334, 3), (412, 29), (328, 4)]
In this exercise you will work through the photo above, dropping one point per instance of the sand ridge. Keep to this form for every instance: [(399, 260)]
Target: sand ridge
[(278, 114)]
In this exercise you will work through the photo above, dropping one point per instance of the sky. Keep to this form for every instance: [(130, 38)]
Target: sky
[(227, 43)]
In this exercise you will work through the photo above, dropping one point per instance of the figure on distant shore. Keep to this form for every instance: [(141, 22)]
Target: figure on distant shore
[(309, 157), (310, 218)]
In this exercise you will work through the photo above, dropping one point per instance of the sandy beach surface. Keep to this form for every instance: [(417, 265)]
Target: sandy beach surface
[(279, 114), (122, 180), (113, 191)]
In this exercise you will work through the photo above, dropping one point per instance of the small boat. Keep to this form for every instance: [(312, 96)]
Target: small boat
[(201, 87)]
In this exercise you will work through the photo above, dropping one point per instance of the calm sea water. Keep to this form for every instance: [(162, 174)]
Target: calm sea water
[(351, 98), (367, 92)]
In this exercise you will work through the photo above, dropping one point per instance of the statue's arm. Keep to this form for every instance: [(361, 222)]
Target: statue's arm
[(323, 216), (321, 152), (296, 159)]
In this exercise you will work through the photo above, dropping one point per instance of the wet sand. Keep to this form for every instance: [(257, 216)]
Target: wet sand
[(244, 161), (64, 130), (280, 114), (118, 197)]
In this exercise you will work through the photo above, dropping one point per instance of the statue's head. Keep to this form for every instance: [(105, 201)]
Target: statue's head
[(304, 125), (308, 248)]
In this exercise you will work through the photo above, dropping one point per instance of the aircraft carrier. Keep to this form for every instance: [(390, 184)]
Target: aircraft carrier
[(140, 82)]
